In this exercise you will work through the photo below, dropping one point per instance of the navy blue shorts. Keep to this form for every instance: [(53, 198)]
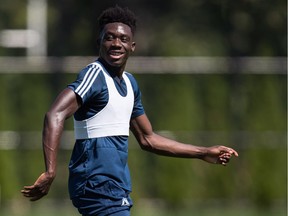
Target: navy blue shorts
[(105, 199)]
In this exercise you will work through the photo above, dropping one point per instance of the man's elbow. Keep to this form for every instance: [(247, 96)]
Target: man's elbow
[(145, 144), (145, 147), (53, 118)]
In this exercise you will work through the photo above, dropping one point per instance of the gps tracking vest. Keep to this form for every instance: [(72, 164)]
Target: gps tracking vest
[(114, 118)]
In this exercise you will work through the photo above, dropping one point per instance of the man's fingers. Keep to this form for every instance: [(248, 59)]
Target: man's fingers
[(36, 198), (235, 153), (33, 194), (31, 191), (33, 197), (29, 187), (224, 160), (230, 151)]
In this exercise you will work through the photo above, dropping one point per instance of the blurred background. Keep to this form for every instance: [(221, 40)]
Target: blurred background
[(211, 72)]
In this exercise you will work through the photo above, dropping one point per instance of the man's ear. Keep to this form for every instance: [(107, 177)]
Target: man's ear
[(133, 46)]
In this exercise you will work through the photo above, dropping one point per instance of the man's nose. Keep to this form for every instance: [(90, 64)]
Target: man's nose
[(116, 42)]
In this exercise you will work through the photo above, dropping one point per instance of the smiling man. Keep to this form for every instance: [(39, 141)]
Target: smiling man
[(116, 44), (106, 103)]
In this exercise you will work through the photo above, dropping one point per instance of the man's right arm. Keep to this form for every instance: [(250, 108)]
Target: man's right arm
[(65, 105)]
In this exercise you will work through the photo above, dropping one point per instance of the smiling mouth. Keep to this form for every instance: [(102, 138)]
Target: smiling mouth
[(115, 54)]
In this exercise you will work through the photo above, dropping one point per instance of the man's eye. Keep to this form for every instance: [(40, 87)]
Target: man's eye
[(124, 39), (108, 37)]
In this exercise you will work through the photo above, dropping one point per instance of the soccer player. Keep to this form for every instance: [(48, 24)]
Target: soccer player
[(106, 103)]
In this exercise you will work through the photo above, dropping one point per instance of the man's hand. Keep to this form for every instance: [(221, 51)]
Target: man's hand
[(40, 188), (219, 155)]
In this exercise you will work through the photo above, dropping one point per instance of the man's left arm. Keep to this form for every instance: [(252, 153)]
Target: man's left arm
[(150, 141)]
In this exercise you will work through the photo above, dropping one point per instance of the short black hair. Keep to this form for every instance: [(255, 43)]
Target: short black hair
[(118, 14)]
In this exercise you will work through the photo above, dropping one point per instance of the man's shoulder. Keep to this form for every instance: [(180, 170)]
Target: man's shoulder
[(129, 75), (93, 67), (94, 64)]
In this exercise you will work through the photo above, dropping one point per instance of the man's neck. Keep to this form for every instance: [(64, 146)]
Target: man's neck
[(114, 71)]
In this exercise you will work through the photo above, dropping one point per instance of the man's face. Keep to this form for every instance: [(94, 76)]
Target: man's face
[(116, 44)]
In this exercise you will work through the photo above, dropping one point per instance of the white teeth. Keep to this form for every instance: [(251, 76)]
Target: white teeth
[(116, 54)]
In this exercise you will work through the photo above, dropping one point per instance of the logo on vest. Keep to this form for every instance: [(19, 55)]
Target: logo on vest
[(125, 202)]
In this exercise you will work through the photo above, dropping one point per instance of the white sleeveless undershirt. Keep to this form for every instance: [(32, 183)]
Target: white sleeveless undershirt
[(113, 119)]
